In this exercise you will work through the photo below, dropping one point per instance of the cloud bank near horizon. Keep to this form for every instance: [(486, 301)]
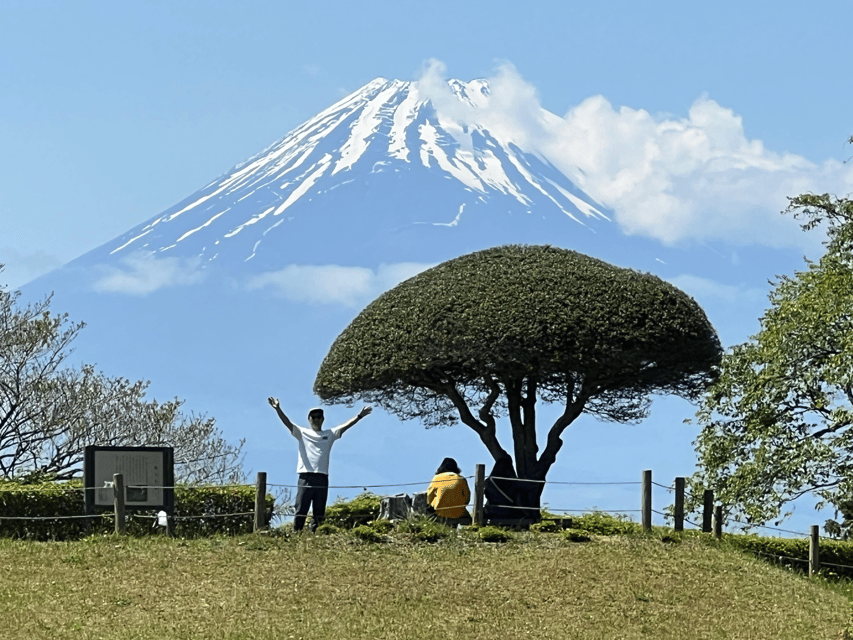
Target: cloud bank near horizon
[(673, 179), (334, 284), (142, 273)]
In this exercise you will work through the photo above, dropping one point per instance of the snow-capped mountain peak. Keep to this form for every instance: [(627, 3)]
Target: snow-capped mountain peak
[(380, 143)]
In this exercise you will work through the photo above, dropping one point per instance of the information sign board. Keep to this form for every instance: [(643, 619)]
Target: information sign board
[(148, 476)]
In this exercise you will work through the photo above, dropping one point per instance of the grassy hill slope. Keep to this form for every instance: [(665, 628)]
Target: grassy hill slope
[(537, 586)]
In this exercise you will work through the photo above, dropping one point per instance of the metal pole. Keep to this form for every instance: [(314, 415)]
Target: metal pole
[(647, 500)]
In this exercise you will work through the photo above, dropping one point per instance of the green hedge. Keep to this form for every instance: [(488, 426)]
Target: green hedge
[(199, 511), (795, 551), (348, 514)]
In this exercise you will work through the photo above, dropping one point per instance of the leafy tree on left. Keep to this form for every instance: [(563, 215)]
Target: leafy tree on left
[(50, 411)]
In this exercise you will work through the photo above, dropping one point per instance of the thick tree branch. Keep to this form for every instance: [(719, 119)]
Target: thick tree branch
[(487, 432), (494, 393), (575, 403)]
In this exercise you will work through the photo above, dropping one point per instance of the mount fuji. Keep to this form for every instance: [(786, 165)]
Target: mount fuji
[(236, 293), (382, 168)]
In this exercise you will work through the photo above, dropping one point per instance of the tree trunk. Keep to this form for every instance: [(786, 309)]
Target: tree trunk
[(529, 468)]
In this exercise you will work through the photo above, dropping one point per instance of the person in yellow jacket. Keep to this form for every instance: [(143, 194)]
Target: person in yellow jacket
[(448, 494)]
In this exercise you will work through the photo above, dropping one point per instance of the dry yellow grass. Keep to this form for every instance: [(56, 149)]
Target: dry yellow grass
[(336, 587)]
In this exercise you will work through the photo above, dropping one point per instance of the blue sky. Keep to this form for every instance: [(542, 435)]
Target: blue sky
[(110, 113)]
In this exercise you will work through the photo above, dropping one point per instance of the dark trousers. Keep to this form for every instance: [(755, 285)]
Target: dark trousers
[(312, 488)]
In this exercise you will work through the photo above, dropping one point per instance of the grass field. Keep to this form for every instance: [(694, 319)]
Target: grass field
[(536, 586)]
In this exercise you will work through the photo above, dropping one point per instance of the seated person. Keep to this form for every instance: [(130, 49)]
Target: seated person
[(504, 495), (501, 493), (448, 494)]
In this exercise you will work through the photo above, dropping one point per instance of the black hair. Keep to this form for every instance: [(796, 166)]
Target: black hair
[(448, 465)]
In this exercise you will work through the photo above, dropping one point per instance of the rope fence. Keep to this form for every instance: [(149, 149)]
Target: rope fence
[(712, 513), (406, 484)]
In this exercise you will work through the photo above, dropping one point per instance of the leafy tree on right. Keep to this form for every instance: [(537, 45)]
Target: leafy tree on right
[(778, 421)]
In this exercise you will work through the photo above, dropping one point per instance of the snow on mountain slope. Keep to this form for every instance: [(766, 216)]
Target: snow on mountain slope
[(383, 162)]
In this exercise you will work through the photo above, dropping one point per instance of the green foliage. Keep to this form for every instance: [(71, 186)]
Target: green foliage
[(547, 515), (576, 536), (198, 512), (777, 422), (492, 332), (40, 499), (327, 529), (517, 311), (605, 524), (795, 551), (382, 526), (546, 526), (424, 529), (494, 534), (360, 510), (367, 534)]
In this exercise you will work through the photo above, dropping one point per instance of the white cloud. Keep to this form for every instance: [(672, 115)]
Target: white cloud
[(511, 110), (142, 273), (674, 179), (20, 268), (334, 284)]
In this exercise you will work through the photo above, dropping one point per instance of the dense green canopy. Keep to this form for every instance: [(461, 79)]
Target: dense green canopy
[(778, 422), (498, 328)]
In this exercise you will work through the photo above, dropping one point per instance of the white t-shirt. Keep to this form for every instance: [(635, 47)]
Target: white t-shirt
[(314, 448)]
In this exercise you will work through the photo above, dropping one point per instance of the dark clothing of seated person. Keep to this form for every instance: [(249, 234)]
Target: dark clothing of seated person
[(448, 494), (500, 493), (504, 494)]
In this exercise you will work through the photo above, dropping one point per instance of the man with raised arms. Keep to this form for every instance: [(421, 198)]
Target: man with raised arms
[(315, 445)]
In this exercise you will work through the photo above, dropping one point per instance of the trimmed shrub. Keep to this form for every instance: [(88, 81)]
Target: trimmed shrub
[(546, 526), (381, 526), (781, 550), (576, 536), (424, 529), (327, 529), (494, 534), (360, 510), (367, 534), (605, 524), (199, 511)]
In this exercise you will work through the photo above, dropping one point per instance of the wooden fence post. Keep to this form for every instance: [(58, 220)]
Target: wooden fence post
[(814, 551), (260, 501), (118, 502), (707, 510), (647, 500), (678, 514), (479, 491), (718, 521)]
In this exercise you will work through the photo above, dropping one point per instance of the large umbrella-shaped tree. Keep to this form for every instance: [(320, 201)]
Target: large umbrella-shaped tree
[(490, 333)]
